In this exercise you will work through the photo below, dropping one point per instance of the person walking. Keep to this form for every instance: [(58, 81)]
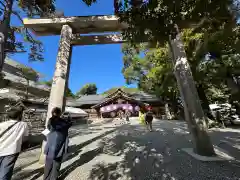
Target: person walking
[(57, 143), (149, 118), (12, 135)]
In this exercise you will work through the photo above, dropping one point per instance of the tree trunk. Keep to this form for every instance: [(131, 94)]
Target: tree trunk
[(194, 114), (4, 29), (167, 112)]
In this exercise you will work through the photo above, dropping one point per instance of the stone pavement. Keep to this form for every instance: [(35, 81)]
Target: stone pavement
[(124, 152)]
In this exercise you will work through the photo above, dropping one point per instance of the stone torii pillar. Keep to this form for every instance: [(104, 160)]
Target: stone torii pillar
[(61, 75), (60, 79)]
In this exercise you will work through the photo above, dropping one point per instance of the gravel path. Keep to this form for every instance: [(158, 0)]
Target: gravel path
[(129, 152)]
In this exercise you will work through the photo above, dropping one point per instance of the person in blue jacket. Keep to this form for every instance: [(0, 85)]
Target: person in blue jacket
[(56, 146)]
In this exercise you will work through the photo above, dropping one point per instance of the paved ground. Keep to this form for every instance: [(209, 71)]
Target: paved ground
[(124, 152)]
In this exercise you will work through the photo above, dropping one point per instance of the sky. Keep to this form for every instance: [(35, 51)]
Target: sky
[(100, 64)]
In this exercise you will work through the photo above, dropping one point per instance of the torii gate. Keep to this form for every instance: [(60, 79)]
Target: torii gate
[(71, 30)]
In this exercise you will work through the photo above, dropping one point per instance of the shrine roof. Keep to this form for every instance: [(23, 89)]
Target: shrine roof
[(86, 100), (119, 93), (97, 100)]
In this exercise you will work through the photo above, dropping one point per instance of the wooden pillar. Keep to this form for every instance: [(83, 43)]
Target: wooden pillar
[(60, 79)]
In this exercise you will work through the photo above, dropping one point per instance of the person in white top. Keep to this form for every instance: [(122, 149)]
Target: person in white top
[(12, 133)]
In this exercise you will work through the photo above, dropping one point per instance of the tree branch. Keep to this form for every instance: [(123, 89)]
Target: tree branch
[(3, 4), (20, 18)]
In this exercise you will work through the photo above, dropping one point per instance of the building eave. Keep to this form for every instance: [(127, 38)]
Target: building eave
[(117, 94)]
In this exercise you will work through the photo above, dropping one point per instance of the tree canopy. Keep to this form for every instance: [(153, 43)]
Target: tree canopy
[(87, 89), (125, 89), (22, 8), (69, 92), (27, 43), (28, 73), (214, 63), (155, 20)]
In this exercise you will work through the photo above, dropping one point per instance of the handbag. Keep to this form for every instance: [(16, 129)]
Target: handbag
[(6, 130), (45, 132)]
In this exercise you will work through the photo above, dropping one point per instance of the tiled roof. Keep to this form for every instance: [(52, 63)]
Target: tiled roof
[(96, 99), (12, 62), (87, 99), (16, 78), (16, 95)]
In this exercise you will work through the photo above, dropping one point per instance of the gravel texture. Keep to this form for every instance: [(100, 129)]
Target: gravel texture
[(129, 152)]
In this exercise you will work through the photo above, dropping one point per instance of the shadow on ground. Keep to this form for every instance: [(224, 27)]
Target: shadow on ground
[(30, 175), (157, 155), (151, 155), (83, 158), (74, 151)]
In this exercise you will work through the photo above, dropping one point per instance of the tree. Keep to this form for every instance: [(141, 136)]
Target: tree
[(125, 89), (152, 72), (31, 8), (28, 74), (8, 42), (69, 92), (161, 22), (87, 89)]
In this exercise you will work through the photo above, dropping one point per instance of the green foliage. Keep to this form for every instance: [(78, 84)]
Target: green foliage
[(125, 89), (28, 74), (37, 7), (47, 83), (155, 20), (87, 89), (69, 92), (152, 70), (20, 8), (23, 8)]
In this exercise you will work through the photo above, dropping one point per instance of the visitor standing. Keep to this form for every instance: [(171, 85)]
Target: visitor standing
[(149, 118), (57, 143), (141, 116), (12, 133), (127, 115)]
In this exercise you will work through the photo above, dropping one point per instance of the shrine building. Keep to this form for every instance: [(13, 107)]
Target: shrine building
[(118, 103)]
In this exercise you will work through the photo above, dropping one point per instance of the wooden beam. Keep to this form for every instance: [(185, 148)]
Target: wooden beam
[(97, 39), (79, 24)]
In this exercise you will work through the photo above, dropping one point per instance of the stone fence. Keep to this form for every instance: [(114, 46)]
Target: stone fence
[(35, 120)]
